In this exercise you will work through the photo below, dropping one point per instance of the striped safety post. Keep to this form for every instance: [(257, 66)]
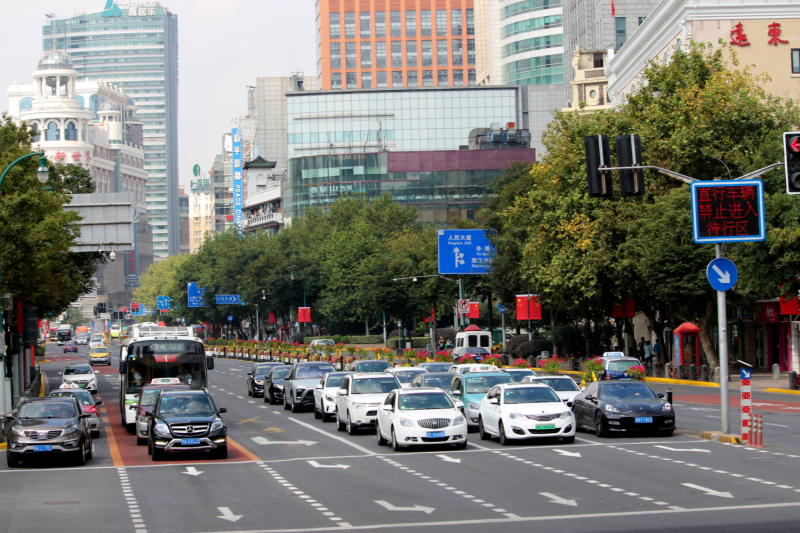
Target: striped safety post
[(760, 424), (747, 435)]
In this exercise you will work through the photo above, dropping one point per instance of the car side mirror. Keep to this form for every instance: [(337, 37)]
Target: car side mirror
[(661, 395), (565, 400), (98, 402), (319, 386), (10, 416), (569, 404), (589, 397), (210, 363), (456, 393), (96, 371), (85, 415), (459, 404), (494, 401), (60, 373), (387, 408), (249, 373), (341, 392), (222, 410)]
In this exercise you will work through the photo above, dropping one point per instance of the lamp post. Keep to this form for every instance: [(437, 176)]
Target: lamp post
[(42, 174), (460, 294)]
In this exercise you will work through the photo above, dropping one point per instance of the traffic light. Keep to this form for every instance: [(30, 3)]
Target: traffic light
[(101, 307), (115, 315), (598, 155), (135, 307), (791, 148), (629, 153)]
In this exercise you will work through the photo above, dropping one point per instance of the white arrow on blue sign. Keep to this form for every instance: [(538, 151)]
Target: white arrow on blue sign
[(501, 308), (163, 302), (230, 318), (228, 299), (722, 274), (464, 251)]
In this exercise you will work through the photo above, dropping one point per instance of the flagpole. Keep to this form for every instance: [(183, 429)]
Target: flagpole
[(530, 335)]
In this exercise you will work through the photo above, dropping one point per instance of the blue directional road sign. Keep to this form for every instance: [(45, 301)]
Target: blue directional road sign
[(464, 251), (722, 274), (230, 318), (163, 302), (501, 308), (195, 295), (228, 299)]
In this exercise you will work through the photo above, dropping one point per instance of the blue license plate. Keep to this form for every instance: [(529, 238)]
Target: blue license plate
[(42, 448), (644, 420), (435, 434), (189, 442)]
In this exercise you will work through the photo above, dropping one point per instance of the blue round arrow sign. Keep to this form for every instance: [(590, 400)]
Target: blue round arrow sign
[(722, 274), (230, 318)]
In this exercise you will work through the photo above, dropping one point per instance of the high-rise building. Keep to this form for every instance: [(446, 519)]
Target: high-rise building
[(201, 219), (135, 47), (183, 206), (363, 44)]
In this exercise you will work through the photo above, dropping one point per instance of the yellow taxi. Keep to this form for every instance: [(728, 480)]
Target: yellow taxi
[(99, 355)]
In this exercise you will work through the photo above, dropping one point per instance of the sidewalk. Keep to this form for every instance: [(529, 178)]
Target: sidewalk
[(765, 383)]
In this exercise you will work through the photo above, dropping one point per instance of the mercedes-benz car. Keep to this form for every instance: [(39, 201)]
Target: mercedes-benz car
[(255, 378), (273, 384), (186, 421), (298, 386)]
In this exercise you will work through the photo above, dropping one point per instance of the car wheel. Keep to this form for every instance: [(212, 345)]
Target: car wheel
[(381, 440), (352, 429), (286, 405), (268, 399), (599, 430), (481, 431), (395, 445), (89, 453), (95, 433), (141, 441), (568, 440), (502, 432), (221, 452), (461, 445), (131, 428), (11, 461), (80, 459), (249, 392), (157, 454), (317, 414), (339, 423), (295, 408), (326, 417)]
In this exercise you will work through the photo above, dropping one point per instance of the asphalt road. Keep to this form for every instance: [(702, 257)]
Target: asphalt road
[(300, 474)]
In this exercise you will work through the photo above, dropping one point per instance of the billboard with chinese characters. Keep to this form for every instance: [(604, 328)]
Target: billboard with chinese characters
[(728, 211), (238, 193)]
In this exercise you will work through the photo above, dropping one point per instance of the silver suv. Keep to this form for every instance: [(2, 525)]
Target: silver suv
[(48, 427)]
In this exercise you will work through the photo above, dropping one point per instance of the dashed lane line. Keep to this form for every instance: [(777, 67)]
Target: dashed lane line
[(130, 499)]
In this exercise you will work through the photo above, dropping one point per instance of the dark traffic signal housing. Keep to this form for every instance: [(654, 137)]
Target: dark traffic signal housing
[(629, 154), (598, 156), (791, 148)]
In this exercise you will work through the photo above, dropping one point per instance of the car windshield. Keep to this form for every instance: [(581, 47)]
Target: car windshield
[(519, 374), (149, 397), (626, 391), (280, 372), (436, 367), (561, 385), (374, 385), (442, 382), (482, 384), (189, 405), (325, 342), (78, 370), (530, 395), (84, 397), (311, 372), (98, 350), (372, 366), (621, 366), (59, 409), (426, 400), (405, 376), (334, 381), (261, 370)]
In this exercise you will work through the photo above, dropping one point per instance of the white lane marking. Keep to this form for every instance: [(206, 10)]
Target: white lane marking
[(192, 471), (317, 465), (448, 459), (710, 492), (682, 449), (390, 507), (228, 515), (335, 437), (558, 499), (138, 522), (313, 503), (263, 441), (565, 453)]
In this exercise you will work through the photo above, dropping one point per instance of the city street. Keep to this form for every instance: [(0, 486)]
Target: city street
[(290, 472)]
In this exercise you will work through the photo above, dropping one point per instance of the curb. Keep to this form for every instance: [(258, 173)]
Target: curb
[(718, 436), (3, 446), (783, 391), (683, 382)]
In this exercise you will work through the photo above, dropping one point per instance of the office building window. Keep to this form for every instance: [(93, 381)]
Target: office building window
[(444, 78), (427, 78), (472, 77), (641, 20), (441, 52), (411, 78), (795, 61), (470, 51), (366, 55), (622, 32), (380, 80), (455, 22), (366, 80), (427, 53), (52, 133), (598, 60), (335, 25), (396, 20), (397, 78), (350, 55), (365, 24), (411, 23), (458, 53), (470, 22), (397, 54), (336, 80), (441, 22), (350, 25), (425, 22), (380, 54), (336, 56), (411, 53), (352, 80), (380, 24), (458, 78)]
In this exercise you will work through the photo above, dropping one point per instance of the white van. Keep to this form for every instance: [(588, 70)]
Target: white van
[(472, 337)]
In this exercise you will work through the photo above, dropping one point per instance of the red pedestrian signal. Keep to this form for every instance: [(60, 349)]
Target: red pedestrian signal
[(791, 150)]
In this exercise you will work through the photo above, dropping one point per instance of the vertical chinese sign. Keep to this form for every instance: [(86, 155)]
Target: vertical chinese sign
[(238, 193), (728, 211)]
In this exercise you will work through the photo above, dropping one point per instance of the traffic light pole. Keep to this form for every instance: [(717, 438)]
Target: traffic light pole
[(722, 319)]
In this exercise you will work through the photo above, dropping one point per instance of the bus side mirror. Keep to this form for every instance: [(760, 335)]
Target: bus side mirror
[(210, 364)]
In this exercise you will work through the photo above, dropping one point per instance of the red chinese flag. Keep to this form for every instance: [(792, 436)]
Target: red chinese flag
[(613, 9), (790, 307), (271, 317), (304, 314), (618, 310), (474, 310), (528, 307), (630, 308)]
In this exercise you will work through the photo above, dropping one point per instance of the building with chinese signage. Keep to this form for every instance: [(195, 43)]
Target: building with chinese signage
[(134, 45), (201, 218)]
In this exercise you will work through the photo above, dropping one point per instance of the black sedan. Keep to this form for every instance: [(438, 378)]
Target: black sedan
[(623, 406), (273, 384), (255, 378)]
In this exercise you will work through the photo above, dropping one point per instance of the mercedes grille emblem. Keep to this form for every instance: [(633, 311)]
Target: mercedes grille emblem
[(189, 429)]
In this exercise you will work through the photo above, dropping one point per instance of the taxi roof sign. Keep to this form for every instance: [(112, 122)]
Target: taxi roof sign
[(613, 354), (165, 381)]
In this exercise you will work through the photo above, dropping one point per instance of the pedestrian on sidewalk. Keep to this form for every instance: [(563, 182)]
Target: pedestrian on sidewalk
[(658, 350), (640, 350), (648, 355)]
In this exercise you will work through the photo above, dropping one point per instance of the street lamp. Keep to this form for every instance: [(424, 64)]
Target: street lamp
[(456, 281), (42, 173)]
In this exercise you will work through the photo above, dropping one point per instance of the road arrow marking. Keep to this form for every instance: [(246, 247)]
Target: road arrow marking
[(558, 499), (228, 515), (682, 449), (192, 471), (449, 459), (317, 465), (390, 507), (566, 453), (262, 440), (708, 491), (724, 277)]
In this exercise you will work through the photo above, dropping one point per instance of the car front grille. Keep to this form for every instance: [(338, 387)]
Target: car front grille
[(434, 423), (436, 439), (543, 431), (542, 418), (43, 435), (183, 430)]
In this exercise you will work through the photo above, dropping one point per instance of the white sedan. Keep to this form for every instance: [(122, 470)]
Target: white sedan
[(420, 416), (325, 395), (565, 386), (405, 374), (360, 397), (525, 411)]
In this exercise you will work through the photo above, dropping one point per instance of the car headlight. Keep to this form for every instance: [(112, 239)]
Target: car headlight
[(217, 425), (259, 381), (72, 429), (565, 415), (161, 429), (330, 398), (667, 408), (408, 423), (278, 386), (516, 416), (611, 409), (474, 406), (457, 421), (18, 431), (360, 406)]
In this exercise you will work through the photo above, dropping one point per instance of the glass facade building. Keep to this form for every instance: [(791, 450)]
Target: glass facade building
[(136, 48)]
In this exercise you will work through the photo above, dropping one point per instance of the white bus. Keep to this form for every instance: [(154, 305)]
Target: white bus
[(158, 352)]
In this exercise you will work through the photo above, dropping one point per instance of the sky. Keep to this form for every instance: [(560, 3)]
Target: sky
[(224, 45)]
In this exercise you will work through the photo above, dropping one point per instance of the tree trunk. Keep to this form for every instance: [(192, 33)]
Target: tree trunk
[(491, 315), (587, 333), (620, 339), (707, 343), (366, 325), (658, 328)]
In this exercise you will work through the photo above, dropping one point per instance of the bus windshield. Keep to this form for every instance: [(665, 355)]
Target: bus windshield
[(180, 359), (64, 336)]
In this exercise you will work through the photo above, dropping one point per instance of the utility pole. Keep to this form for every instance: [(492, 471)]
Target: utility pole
[(722, 318)]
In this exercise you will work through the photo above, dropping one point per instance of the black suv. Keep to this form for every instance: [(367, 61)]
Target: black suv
[(186, 421), (298, 387)]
